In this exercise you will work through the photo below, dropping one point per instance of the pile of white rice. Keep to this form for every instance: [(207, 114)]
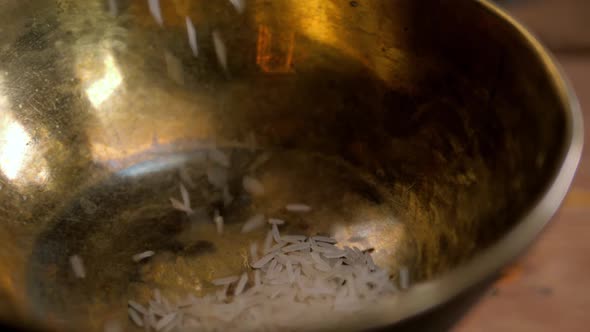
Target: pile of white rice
[(292, 277)]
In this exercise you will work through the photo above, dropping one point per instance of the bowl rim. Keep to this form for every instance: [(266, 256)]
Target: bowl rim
[(428, 295)]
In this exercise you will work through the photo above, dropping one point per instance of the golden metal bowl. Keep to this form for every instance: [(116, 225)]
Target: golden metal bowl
[(441, 131)]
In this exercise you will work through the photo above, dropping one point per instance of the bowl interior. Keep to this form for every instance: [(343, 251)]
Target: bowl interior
[(423, 130)]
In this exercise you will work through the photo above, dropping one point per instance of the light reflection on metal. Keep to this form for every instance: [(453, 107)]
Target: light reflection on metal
[(17, 160), (102, 89), (274, 60), (13, 147)]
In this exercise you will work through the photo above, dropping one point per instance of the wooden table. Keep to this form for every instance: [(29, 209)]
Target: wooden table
[(549, 289)]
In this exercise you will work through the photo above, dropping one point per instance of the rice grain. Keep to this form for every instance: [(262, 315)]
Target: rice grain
[(220, 49), (239, 5), (143, 255), (135, 317), (78, 266), (241, 284), (192, 36), (225, 281), (154, 6), (253, 223), (252, 186), (298, 208), (275, 221)]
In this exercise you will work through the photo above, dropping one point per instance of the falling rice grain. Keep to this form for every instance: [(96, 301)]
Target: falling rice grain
[(218, 222), (297, 207), (239, 5), (192, 36), (253, 223), (220, 49), (113, 8), (142, 256), (180, 206), (154, 6), (252, 186), (186, 200), (78, 266)]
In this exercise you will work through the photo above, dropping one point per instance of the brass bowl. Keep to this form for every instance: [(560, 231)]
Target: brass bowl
[(442, 131)]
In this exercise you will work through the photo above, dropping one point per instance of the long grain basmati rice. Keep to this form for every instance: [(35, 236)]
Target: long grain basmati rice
[(220, 49), (143, 255), (275, 221), (154, 6), (239, 5), (252, 186), (78, 266), (296, 279), (298, 207), (192, 36), (253, 223), (241, 284), (225, 281), (135, 317)]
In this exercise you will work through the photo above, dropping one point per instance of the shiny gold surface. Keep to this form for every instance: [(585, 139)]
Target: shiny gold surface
[(432, 128)]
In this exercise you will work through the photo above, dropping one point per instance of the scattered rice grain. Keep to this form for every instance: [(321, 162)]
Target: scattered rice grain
[(220, 49), (253, 223), (135, 317), (225, 281), (192, 36), (78, 266), (239, 5), (263, 261), (241, 284), (252, 186), (297, 207), (154, 6), (143, 255), (275, 221)]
